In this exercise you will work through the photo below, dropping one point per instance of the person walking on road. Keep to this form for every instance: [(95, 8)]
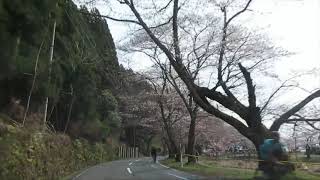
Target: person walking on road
[(154, 154)]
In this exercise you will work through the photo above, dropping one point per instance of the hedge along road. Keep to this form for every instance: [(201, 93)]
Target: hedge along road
[(134, 169)]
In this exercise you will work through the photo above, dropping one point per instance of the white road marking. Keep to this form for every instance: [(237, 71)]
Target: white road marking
[(130, 164), (129, 170), (153, 166), (74, 178), (164, 166), (177, 176), (168, 167), (137, 160)]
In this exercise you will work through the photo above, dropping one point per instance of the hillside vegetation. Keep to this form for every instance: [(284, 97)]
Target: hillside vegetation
[(34, 154), (84, 69), (83, 118)]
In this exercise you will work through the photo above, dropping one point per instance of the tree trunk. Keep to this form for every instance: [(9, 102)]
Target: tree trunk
[(169, 148), (69, 114), (257, 135), (15, 52), (175, 151), (171, 153), (35, 71), (149, 144), (172, 150), (172, 144), (191, 139), (177, 158)]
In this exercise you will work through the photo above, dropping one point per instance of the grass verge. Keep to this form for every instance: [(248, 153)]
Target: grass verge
[(232, 173)]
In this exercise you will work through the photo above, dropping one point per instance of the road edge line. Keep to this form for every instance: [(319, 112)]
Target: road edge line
[(80, 174), (164, 166), (180, 177)]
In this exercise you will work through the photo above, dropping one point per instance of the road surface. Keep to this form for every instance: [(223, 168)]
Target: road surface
[(135, 169)]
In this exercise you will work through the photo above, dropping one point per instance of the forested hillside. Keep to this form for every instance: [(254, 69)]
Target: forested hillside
[(84, 71), (83, 85)]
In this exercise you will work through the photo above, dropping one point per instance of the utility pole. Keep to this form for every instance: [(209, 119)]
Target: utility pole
[(50, 69)]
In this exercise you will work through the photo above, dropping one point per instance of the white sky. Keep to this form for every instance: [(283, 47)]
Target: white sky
[(295, 26), (292, 24)]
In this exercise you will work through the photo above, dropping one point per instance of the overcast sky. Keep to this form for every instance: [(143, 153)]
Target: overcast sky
[(292, 24)]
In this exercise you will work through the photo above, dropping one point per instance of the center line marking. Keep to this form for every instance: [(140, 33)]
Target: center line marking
[(129, 170), (177, 176)]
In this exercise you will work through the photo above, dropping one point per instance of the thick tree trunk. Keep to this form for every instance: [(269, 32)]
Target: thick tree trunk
[(191, 139), (171, 153), (172, 149), (174, 153), (257, 141), (172, 145)]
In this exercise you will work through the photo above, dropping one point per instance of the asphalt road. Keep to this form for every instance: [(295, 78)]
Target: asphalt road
[(134, 169)]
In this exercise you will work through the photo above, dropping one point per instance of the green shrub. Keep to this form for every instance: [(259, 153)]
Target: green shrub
[(37, 155)]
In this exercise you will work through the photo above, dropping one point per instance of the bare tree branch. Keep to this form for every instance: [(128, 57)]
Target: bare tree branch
[(284, 117), (221, 57), (283, 85), (226, 101), (302, 120), (112, 18), (240, 12), (165, 7), (250, 87)]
